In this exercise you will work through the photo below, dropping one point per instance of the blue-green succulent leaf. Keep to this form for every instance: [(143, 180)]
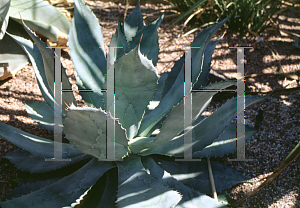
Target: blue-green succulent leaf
[(65, 191), (135, 86), (36, 60), (41, 113), (198, 177), (190, 197), (172, 76), (102, 194), (46, 30), (34, 144), (29, 162), (149, 43), (4, 17), (139, 189), (202, 40), (119, 42), (176, 92), (203, 78), (30, 187), (10, 51), (161, 81), (133, 23), (36, 9), (174, 123), (85, 95), (48, 60), (87, 51), (226, 143), (86, 128), (206, 131)]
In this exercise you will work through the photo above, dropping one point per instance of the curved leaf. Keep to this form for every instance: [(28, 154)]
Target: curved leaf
[(41, 28), (226, 143), (34, 144), (190, 197), (135, 86), (35, 10), (87, 51), (41, 113), (203, 78), (64, 191), (174, 123), (49, 70), (10, 51), (29, 162), (176, 92), (149, 43), (36, 60), (204, 132), (85, 128), (119, 40), (133, 23), (197, 176), (138, 189), (30, 187)]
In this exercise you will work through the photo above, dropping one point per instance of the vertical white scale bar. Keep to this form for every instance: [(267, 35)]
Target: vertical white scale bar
[(110, 150), (240, 133), (188, 142), (110, 98), (57, 108), (188, 133)]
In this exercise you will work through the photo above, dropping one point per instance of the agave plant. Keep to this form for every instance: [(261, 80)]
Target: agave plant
[(144, 172)]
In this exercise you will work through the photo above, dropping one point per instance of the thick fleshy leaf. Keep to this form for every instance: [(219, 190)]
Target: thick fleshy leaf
[(48, 60), (29, 162), (206, 131), (197, 177), (4, 8), (10, 51), (87, 51), (119, 41), (172, 76), (15, 28), (36, 60), (135, 86), (64, 191), (30, 187), (138, 189), (49, 25), (102, 194), (85, 95), (190, 197), (50, 32), (133, 23), (41, 113), (86, 128), (174, 123), (149, 43), (161, 81), (34, 144), (203, 78), (226, 143), (176, 92)]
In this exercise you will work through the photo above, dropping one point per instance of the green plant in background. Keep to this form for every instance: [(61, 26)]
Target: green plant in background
[(247, 15), (40, 16), (148, 175)]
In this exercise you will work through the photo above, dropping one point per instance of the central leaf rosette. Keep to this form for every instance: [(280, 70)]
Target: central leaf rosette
[(135, 83)]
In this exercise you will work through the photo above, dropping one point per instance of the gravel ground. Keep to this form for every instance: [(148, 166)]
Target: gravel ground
[(279, 131)]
